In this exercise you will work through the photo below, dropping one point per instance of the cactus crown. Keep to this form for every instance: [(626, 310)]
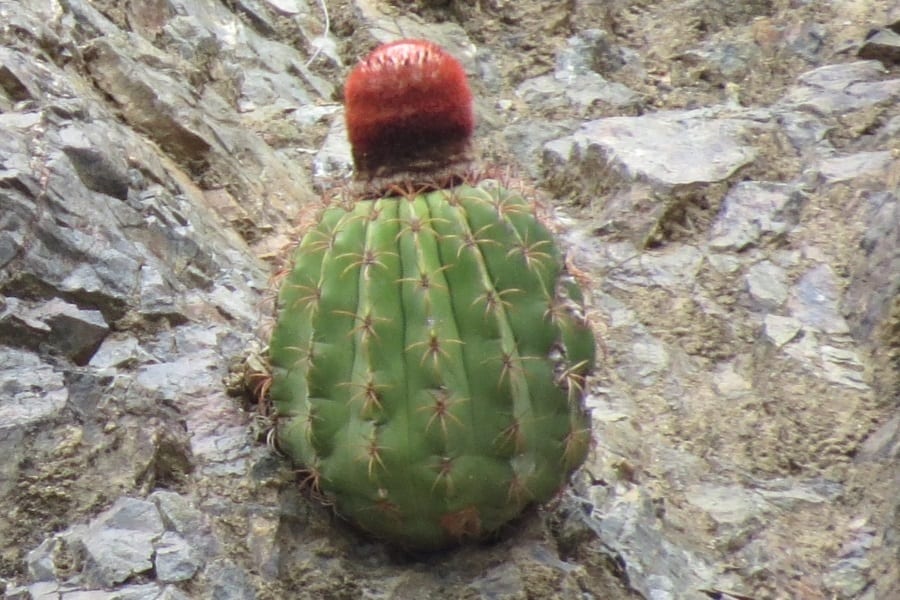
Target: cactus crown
[(409, 116)]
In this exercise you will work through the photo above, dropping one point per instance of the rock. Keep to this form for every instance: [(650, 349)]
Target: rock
[(130, 514), (723, 63), (116, 352), (815, 300), (98, 170), (756, 211), (227, 580), (634, 162), (577, 80), (525, 140), (781, 330), (667, 572), (884, 443), (664, 149), (723, 176), (41, 560), (767, 285), (174, 561), (844, 366), (504, 581), (127, 540), (32, 390), (594, 51), (77, 333), (120, 542), (170, 592), (871, 302), (845, 168), (333, 161), (19, 327), (288, 7), (178, 513), (882, 45), (728, 505), (674, 268), (844, 88), (42, 591)]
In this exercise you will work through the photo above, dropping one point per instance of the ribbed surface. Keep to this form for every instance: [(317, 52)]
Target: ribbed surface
[(428, 364)]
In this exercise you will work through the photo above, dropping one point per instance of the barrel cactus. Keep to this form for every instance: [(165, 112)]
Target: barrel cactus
[(429, 357)]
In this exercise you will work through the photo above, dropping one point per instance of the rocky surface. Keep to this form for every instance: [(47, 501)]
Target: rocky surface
[(726, 175)]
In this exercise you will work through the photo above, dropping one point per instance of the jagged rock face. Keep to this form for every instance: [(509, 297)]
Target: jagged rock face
[(154, 155), (429, 364)]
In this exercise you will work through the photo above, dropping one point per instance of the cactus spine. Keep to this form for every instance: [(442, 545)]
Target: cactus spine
[(429, 361)]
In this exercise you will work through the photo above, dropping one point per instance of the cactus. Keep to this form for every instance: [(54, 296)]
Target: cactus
[(429, 358)]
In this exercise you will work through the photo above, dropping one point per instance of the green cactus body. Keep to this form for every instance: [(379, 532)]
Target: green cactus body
[(428, 364)]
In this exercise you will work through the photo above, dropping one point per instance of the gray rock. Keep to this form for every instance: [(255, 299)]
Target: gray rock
[(170, 592), (40, 561), (647, 169), (116, 351), (806, 132), (178, 512), (19, 327), (665, 149), (130, 514), (288, 7), (32, 390), (844, 366), (844, 88), (884, 443), (43, 590), (882, 45), (845, 168), (333, 161), (148, 99), (115, 555), (98, 169), (722, 63), (848, 578), (728, 505), (147, 591), (17, 76), (873, 285), (767, 285), (543, 92), (503, 581), (781, 330), (525, 140), (789, 494), (119, 543), (652, 361), (228, 582), (815, 299), (582, 91), (75, 332), (753, 212), (595, 51), (656, 568), (174, 560), (185, 519), (151, 152), (673, 268)]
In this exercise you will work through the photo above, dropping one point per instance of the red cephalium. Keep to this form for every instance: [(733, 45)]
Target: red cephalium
[(409, 112)]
